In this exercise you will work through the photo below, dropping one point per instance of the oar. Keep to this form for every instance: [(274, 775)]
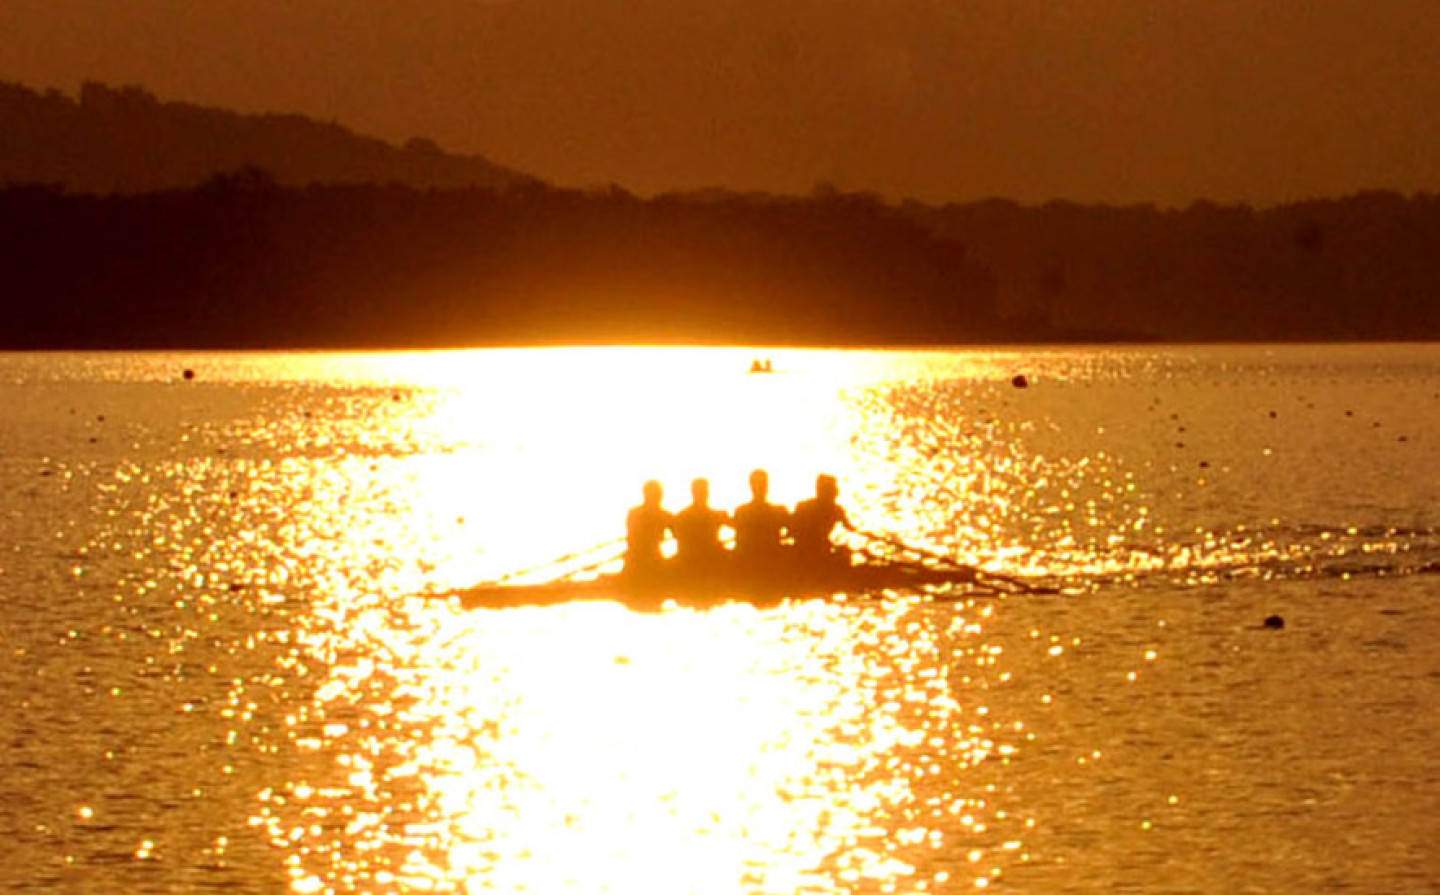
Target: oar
[(986, 589), (597, 564), (938, 557), (556, 563), (909, 548), (605, 560)]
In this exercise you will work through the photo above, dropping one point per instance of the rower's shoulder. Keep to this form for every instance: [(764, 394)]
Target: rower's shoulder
[(753, 508)]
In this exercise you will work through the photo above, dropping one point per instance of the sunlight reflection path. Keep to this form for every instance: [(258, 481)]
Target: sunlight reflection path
[(811, 748), (262, 539), (592, 749)]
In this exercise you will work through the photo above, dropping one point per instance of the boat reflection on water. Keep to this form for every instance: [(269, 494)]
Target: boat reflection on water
[(872, 579), (586, 748)]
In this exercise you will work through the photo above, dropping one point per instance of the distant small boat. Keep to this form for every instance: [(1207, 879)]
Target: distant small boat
[(857, 581), (761, 365)]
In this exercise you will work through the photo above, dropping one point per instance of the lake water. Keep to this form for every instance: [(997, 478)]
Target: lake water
[(220, 671)]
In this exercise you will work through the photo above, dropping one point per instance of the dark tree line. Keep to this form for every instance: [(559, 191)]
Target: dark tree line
[(139, 244), (242, 262), (1366, 267)]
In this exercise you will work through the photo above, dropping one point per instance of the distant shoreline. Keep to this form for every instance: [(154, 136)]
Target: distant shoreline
[(701, 346), (242, 262)]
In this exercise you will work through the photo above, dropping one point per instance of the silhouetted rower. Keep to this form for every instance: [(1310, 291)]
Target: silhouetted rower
[(759, 529), (813, 522), (645, 528), (697, 532)]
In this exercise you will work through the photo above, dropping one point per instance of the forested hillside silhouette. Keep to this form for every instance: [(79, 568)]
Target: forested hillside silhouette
[(127, 222), (243, 262), (125, 140), (1365, 267)]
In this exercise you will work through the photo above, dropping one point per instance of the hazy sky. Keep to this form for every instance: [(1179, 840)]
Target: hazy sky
[(1092, 100)]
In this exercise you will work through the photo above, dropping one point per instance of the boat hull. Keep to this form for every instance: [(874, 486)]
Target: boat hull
[(850, 581)]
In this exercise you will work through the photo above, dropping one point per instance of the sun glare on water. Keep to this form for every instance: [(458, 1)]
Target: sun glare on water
[(545, 457), (587, 748), (593, 749), (238, 660)]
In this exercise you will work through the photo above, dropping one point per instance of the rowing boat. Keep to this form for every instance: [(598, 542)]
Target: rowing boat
[(856, 581)]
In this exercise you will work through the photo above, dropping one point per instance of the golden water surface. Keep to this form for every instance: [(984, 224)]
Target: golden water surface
[(817, 748), (232, 669)]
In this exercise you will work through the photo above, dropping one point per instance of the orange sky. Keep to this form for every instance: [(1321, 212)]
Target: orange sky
[(1092, 100)]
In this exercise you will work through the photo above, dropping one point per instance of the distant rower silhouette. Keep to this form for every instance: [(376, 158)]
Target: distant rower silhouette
[(759, 529), (813, 522), (762, 557), (697, 532), (645, 529)]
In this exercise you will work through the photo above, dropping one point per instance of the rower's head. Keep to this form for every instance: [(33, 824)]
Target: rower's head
[(654, 493), (827, 488), (700, 492), (759, 484)]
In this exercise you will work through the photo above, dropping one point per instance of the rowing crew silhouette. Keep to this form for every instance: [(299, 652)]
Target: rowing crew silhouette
[(778, 554), (770, 541)]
